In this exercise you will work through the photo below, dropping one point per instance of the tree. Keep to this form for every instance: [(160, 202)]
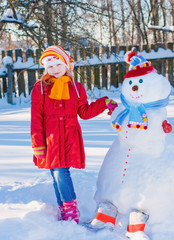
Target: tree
[(82, 23)]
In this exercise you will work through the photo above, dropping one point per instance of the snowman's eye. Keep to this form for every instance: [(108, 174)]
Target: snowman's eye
[(141, 80), (130, 82)]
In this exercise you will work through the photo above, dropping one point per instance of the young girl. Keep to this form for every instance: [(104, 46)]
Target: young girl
[(56, 136)]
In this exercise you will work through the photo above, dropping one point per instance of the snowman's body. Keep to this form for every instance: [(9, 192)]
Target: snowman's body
[(135, 173)]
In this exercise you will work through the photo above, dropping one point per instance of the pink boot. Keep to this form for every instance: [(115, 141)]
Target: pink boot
[(70, 211)]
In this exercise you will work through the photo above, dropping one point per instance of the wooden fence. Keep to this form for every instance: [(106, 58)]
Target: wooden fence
[(91, 68)]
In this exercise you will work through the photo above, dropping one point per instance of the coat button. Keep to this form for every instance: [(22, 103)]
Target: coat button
[(60, 118), (60, 104)]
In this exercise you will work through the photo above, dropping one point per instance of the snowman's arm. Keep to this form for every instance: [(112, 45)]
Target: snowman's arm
[(167, 127)]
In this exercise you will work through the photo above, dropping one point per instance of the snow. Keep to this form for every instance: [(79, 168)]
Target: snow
[(162, 28), (8, 17), (3, 71), (7, 60), (27, 201)]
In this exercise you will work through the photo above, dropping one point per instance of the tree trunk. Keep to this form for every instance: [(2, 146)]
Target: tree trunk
[(155, 19), (64, 25), (48, 22), (123, 23)]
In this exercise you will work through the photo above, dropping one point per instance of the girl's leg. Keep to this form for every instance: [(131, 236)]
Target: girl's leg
[(65, 194), (64, 184), (59, 201)]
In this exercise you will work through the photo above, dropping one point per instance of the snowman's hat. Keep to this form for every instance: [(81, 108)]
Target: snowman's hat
[(138, 65)]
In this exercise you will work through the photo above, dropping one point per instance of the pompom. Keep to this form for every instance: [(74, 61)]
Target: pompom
[(129, 55)]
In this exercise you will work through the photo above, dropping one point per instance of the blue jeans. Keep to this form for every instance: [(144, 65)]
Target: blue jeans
[(63, 185)]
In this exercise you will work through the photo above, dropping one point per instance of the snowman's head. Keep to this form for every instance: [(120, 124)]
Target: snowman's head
[(142, 83), (146, 88)]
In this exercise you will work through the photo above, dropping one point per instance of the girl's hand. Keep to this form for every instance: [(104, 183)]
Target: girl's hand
[(111, 105), (39, 152), (167, 127)]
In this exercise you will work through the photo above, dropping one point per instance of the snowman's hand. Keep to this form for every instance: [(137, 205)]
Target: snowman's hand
[(167, 127)]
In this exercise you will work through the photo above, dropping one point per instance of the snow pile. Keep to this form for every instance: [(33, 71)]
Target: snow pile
[(9, 17)]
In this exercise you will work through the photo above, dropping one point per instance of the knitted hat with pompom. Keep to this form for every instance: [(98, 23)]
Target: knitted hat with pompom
[(138, 65), (56, 55)]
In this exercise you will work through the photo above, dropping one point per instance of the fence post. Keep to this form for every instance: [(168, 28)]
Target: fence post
[(155, 63), (31, 72), (4, 82), (89, 54), (1, 88), (170, 65), (114, 78), (105, 69), (20, 74), (10, 53), (10, 83), (122, 67), (40, 70), (97, 69), (146, 48)]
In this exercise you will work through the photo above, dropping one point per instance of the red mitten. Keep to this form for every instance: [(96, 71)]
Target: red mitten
[(111, 105), (167, 127)]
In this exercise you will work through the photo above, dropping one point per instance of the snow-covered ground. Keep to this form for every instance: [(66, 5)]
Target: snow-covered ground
[(27, 201)]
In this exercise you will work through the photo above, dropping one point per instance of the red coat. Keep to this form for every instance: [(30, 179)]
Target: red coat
[(54, 124)]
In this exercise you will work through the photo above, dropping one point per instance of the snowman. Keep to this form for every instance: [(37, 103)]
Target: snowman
[(135, 175)]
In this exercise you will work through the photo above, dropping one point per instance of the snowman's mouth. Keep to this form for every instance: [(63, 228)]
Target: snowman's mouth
[(136, 97)]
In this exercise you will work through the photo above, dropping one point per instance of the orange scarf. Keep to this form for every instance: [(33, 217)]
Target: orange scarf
[(60, 89)]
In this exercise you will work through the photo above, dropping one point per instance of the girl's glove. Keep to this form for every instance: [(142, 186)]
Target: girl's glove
[(111, 105), (167, 127), (39, 152)]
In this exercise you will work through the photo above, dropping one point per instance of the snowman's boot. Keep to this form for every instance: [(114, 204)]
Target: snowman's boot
[(105, 217), (137, 223)]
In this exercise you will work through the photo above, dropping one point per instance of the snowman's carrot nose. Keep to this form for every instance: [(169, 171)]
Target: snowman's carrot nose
[(135, 88)]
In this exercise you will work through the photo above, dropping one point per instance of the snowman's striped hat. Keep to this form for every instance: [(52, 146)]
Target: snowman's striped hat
[(138, 65)]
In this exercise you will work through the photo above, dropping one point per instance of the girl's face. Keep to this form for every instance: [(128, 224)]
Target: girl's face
[(57, 70)]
